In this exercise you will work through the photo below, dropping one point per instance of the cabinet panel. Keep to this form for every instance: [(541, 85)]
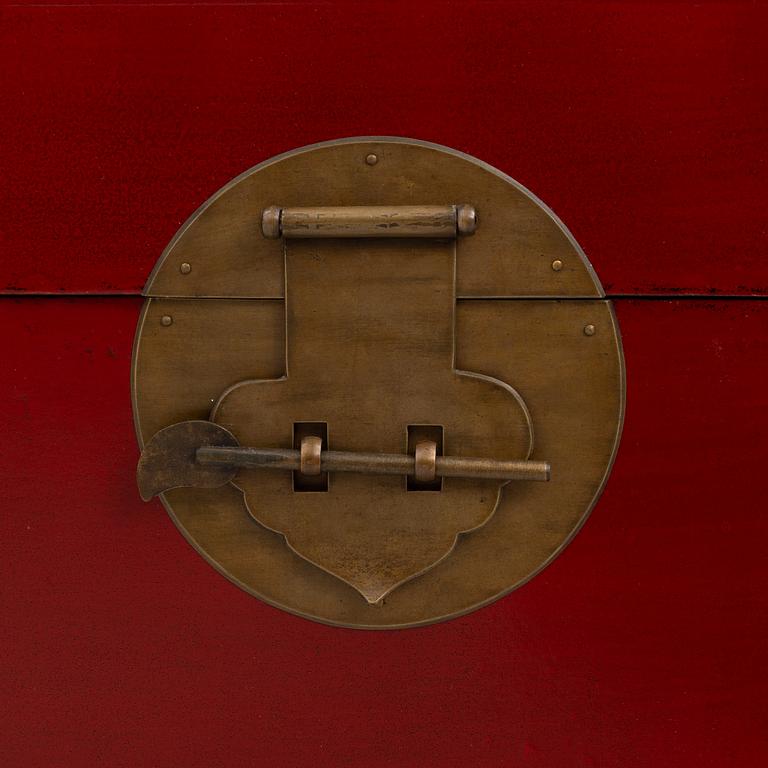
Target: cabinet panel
[(643, 643), (642, 125)]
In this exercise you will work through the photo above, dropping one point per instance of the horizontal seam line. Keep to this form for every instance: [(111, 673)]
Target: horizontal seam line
[(609, 296)]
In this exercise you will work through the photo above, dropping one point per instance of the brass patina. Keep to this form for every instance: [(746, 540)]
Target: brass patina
[(326, 317)]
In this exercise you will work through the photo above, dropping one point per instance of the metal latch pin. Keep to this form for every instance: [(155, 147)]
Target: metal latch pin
[(201, 454), (374, 463)]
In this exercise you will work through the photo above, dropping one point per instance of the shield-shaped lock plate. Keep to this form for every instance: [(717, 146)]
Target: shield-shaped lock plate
[(376, 383)]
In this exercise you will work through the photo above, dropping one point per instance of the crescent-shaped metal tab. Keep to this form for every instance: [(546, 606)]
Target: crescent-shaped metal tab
[(169, 459)]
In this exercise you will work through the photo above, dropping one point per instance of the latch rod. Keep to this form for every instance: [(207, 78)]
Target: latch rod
[(374, 463), (201, 454)]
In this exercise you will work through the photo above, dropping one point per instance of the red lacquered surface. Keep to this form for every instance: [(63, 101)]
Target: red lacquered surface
[(642, 645), (643, 125)]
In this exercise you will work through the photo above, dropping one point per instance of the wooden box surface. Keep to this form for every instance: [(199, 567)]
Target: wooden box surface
[(643, 126)]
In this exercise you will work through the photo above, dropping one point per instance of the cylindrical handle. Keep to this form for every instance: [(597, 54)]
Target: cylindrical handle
[(440, 221), (375, 463)]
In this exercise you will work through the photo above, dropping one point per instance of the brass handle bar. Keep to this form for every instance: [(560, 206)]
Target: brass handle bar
[(442, 221), (375, 463)]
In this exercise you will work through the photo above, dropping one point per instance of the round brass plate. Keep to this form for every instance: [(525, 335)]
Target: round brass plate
[(215, 316)]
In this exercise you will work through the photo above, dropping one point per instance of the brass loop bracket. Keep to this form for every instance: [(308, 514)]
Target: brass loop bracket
[(309, 456), (425, 461)]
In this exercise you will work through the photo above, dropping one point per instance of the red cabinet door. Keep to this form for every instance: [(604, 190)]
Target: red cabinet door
[(644, 127)]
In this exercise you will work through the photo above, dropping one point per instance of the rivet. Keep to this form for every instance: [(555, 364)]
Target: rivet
[(185, 268), (557, 265), (166, 320), (371, 159), (589, 330)]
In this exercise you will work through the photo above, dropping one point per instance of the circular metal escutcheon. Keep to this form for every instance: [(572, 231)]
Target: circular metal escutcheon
[(525, 310)]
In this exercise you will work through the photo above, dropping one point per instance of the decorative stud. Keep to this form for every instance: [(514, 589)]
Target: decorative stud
[(371, 159), (185, 268), (589, 330), (557, 265), (166, 320)]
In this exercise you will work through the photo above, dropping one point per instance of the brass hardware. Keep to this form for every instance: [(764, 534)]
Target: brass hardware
[(440, 221), (466, 219), (185, 268), (169, 459), (557, 265), (232, 259), (589, 330), (270, 222), (305, 480), (421, 465), (310, 461), (371, 159), (380, 344), (172, 456), (166, 320), (425, 433), (425, 461)]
